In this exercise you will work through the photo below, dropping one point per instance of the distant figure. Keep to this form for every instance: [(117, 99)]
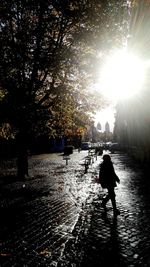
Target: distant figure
[(108, 179)]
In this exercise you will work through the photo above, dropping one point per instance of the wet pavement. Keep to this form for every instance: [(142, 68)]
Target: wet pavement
[(55, 218)]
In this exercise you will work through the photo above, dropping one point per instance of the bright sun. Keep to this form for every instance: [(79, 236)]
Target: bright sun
[(122, 76)]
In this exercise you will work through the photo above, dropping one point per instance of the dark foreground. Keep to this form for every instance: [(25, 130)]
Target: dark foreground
[(55, 218)]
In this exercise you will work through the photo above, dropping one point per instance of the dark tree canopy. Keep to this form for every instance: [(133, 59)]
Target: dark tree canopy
[(49, 56), (47, 53)]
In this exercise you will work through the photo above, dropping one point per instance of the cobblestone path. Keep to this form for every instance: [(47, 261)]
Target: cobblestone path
[(54, 217), (104, 240)]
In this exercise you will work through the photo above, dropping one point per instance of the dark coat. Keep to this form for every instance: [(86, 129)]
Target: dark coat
[(107, 175)]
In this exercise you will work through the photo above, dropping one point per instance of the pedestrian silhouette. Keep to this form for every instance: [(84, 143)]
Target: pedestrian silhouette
[(108, 179)]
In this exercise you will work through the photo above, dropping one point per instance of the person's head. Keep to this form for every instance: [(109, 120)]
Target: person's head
[(106, 157)]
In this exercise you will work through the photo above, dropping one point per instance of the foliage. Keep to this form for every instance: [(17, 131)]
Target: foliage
[(48, 53), (6, 131), (35, 53)]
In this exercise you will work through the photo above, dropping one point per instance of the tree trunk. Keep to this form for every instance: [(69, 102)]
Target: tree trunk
[(22, 163)]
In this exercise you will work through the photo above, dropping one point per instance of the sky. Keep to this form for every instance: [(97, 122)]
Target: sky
[(121, 78), (105, 115)]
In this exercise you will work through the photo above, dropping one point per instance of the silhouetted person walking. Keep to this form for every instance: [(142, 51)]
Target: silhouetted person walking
[(108, 179)]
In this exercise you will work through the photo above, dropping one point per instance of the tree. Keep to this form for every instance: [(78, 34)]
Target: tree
[(45, 49)]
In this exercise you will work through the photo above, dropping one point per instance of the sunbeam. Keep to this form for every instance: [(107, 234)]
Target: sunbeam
[(122, 76)]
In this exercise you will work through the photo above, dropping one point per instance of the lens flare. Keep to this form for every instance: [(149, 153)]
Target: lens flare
[(122, 76)]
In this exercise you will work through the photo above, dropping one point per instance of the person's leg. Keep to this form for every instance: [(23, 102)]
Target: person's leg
[(105, 200), (113, 201)]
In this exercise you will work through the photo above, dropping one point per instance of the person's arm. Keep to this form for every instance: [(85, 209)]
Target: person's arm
[(116, 176)]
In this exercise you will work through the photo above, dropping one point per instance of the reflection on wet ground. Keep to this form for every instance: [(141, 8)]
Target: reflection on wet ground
[(55, 218)]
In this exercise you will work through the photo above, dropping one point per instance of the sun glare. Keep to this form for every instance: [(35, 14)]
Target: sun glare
[(122, 76)]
